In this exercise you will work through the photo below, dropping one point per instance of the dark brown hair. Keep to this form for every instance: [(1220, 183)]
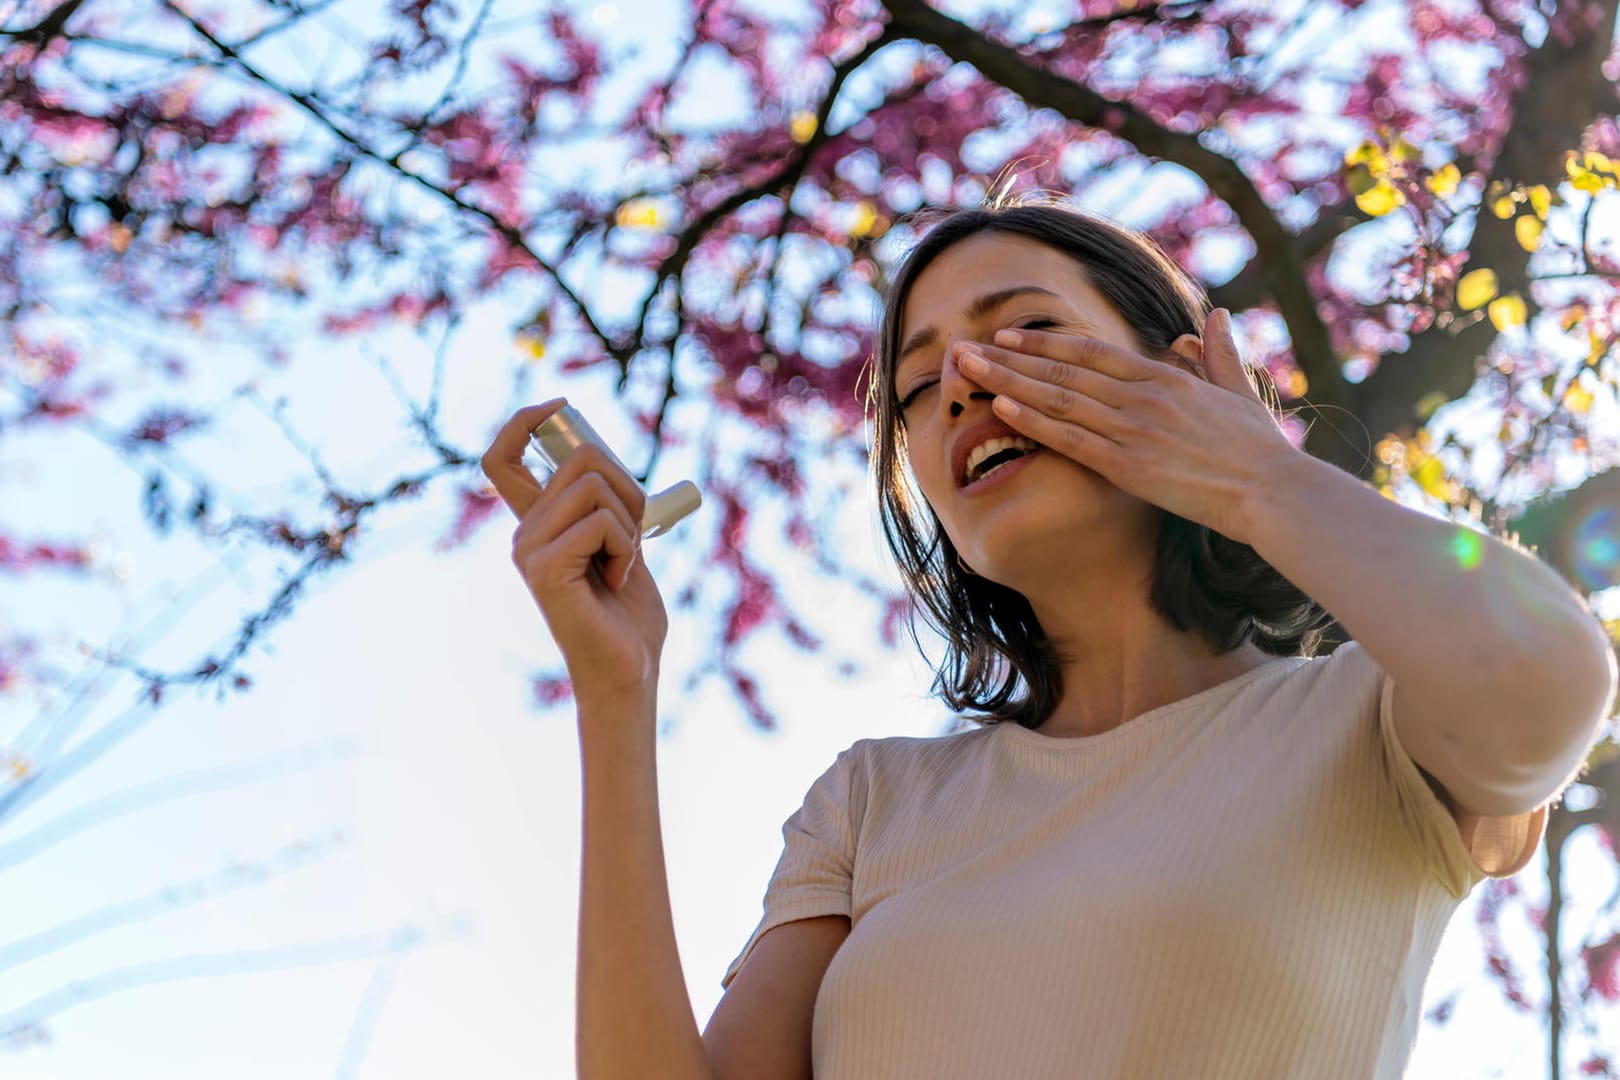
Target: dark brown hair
[(998, 661)]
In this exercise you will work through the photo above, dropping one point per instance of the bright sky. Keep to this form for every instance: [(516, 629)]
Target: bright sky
[(417, 815)]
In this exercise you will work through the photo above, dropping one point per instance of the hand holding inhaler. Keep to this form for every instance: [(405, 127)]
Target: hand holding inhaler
[(578, 546), (565, 431)]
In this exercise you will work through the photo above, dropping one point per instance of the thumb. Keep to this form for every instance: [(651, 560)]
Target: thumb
[(1221, 357)]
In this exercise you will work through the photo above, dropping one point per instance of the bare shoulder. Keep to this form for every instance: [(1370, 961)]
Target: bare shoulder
[(762, 1025)]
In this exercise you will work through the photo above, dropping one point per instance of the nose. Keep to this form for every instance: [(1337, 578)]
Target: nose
[(956, 389)]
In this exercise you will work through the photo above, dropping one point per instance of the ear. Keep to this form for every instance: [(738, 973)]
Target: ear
[(1189, 349)]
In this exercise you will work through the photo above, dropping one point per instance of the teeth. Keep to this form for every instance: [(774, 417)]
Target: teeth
[(996, 446)]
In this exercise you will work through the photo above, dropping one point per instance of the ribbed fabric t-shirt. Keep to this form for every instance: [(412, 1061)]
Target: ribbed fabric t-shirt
[(1247, 883)]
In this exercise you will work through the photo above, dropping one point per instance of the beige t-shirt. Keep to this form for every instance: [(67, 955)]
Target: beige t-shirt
[(1247, 883)]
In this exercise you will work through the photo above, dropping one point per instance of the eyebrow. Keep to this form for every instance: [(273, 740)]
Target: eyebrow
[(977, 309)]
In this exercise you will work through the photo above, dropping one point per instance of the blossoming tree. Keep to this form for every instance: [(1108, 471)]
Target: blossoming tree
[(1408, 206)]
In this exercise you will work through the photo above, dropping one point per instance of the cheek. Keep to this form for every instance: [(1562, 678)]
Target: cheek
[(923, 460)]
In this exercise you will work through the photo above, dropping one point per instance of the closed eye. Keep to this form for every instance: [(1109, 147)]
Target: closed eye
[(1029, 324)]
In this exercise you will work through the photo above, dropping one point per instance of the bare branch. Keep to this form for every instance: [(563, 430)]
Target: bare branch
[(511, 233), (43, 32)]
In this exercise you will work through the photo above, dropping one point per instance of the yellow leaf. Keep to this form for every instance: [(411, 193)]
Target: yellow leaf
[(639, 213), (1577, 398), (1429, 402), (1596, 162), (1582, 178), (1380, 199), (1507, 311), (803, 127), (1431, 477), (1573, 318), (1502, 207), (1370, 154), (1540, 200), (1528, 232), (1403, 151), (1444, 180), (1476, 288), (532, 345), (866, 220), (1597, 349)]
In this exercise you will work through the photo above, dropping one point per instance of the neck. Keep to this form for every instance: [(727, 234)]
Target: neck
[(1122, 658)]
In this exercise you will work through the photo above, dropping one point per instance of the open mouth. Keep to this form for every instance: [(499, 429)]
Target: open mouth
[(994, 454), (997, 467)]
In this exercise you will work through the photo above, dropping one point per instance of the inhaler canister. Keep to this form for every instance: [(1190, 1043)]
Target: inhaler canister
[(565, 431)]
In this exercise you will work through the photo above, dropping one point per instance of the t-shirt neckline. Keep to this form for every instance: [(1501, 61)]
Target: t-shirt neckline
[(1028, 737)]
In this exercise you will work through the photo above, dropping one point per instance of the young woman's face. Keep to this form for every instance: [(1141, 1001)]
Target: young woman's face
[(985, 283)]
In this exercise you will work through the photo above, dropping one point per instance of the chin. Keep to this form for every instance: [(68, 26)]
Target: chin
[(1060, 535)]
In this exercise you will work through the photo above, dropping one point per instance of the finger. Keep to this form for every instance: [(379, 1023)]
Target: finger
[(1035, 378), (1075, 441), (503, 461), (1090, 353), (1221, 356), (573, 554), (593, 459), (561, 506)]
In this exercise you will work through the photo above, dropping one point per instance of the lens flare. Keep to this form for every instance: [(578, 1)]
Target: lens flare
[(1595, 548), (1468, 548)]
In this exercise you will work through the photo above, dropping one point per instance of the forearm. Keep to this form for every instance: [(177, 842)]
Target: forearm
[(634, 1018), (1469, 626)]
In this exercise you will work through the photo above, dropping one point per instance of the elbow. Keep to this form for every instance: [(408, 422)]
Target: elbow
[(1565, 702), (1576, 683)]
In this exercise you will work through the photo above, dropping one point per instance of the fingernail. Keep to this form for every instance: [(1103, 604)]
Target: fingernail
[(974, 364)]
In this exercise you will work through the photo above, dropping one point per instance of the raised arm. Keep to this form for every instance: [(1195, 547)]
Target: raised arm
[(634, 1019), (577, 547)]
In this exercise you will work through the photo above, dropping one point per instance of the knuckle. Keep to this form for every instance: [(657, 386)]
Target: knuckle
[(1062, 401), (532, 564), (1073, 438)]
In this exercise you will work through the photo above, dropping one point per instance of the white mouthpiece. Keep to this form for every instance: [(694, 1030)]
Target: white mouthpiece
[(668, 507)]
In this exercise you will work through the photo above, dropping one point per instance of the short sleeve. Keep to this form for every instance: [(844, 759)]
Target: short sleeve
[(813, 875), (1500, 847)]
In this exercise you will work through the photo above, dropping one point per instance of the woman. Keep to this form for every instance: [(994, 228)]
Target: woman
[(1176, 843)]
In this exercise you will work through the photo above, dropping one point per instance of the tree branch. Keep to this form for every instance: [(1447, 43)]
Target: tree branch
[(1546, 124), (511, 233), (784, 180), (51, 26)]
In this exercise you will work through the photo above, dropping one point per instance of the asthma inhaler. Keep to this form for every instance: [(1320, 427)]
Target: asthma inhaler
[(565, 431)]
